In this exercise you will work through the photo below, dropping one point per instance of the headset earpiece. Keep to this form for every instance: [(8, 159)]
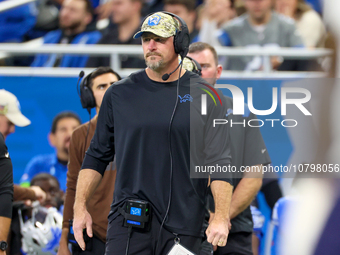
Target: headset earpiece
[(86, 95), (197, 67)]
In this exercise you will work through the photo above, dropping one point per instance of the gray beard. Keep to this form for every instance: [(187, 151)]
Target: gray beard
[(155, 66)]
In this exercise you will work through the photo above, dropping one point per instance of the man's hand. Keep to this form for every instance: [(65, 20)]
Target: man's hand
[(82, 219), (104, 11), (210, 220), (217, 231), (39, 193), (63, 244), (88, 181), (276, 62)]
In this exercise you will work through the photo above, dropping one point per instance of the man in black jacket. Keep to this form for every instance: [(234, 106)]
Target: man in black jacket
[(152, 122)]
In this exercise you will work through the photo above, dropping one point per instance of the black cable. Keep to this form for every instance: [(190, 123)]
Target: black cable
[(128, 241), (171, 161)]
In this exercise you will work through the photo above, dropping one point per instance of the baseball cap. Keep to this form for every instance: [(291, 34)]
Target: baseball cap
[(159, 23), (10, 107)]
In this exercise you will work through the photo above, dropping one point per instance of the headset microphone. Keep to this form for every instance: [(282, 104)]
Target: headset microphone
[(166, 76), (81, 75)]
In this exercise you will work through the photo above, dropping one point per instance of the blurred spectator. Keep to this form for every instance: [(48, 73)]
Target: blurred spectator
[(49, 184), (308, 21), (56, 164), (186, 10), (239, 7), (16, 22), (214, 15), (260, 27), (94, 3), (126, 19), (97, 3), (103, 8), (74, 17), (151, 6), (47, 19)]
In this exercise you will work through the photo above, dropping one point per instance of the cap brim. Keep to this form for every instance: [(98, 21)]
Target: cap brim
[(18, 119), (138, 35), (155, 32)]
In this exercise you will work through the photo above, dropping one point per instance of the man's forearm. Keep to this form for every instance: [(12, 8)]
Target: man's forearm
[(88, 181), (5, 224), (21, 193), (245, 192), (222, 192)]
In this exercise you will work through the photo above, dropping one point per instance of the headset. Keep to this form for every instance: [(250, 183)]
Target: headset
[(85, 92), (196, 66)]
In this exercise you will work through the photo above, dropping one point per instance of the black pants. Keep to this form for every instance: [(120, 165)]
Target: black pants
[(237, 244), (145, 242), (98, 248)]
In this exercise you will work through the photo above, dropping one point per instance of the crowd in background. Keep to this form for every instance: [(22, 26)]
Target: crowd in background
[(272, 24)]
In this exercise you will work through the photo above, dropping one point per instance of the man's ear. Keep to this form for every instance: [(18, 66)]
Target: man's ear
[(219, 71), (51, 139), (12, 129)]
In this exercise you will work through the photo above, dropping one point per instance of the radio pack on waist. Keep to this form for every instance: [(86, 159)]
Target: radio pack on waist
[(137, 214)]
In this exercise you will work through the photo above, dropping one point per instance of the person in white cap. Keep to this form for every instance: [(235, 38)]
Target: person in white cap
[(10, 113), (11, 116)]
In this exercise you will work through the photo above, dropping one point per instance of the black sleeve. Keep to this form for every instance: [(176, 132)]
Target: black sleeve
[(218, 150), (101, 150), (210, 199), (6, 181), (6, 205), (272, 193), (255, 150)]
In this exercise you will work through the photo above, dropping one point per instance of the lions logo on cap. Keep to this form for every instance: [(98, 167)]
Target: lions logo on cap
[(3, 109), (154, 20)]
